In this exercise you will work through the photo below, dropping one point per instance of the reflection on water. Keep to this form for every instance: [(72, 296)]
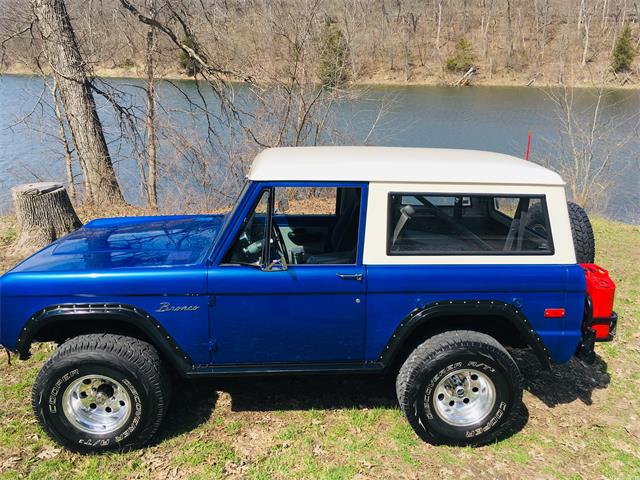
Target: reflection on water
[(484, 118)]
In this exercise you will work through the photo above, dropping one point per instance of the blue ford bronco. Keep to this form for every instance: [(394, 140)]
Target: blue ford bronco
[(430, 264)]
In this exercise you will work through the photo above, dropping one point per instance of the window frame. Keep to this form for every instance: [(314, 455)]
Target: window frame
[(543, 200), (258, 197), (251, 198)]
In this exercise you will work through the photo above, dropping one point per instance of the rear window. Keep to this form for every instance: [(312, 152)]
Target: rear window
[(467, 224)]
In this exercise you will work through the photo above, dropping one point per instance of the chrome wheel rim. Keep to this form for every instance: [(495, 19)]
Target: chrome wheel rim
[(96, 404), (464, 397)]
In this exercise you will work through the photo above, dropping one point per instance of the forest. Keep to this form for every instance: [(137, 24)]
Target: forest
[(520, 42)]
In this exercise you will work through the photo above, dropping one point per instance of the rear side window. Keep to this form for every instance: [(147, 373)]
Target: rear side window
[(467, 224)]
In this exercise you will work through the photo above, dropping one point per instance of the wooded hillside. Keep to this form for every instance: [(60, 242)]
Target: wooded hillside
[(412, 41)]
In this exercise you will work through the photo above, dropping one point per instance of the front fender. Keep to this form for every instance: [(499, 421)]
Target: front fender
[(134, 317)]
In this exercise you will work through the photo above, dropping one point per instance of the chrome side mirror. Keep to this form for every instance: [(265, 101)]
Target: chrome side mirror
[(276, 265)]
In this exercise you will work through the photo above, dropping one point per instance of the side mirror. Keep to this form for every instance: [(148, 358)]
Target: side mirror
[(276, 265)]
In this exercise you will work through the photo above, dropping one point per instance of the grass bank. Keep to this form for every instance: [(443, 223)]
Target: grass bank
[(578, 422)]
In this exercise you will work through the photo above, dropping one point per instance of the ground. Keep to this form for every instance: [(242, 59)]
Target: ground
[(578, 421)]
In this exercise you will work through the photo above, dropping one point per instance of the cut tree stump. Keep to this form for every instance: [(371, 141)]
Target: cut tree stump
[(44, 213)]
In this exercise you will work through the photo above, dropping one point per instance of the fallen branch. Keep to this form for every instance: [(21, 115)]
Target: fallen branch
[(465, 79)]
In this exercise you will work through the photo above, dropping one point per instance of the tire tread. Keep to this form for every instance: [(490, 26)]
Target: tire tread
[(438, 345), (137, 353)]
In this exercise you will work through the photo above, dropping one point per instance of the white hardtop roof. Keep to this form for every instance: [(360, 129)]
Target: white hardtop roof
[(397, 164)]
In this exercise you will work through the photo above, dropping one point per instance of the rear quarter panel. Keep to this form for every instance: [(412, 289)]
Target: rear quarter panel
[(394, 291)]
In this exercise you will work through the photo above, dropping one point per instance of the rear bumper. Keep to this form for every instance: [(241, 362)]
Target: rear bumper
[(605, 325), (594, 332)]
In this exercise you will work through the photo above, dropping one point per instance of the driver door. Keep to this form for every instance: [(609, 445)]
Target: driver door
[(289, 313)]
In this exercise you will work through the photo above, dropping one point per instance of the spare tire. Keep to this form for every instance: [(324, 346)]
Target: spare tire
[(583, 240), (581, 231)]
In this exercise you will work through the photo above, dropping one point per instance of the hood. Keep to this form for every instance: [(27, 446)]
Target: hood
[(129, 242)]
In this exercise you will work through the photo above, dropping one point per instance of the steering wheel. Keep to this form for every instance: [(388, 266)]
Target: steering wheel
[(245, 238)]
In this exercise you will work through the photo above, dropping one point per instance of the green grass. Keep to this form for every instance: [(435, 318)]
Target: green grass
[(336, 429)]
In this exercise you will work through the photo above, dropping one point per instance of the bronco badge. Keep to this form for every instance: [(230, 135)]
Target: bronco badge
[(167, 307)]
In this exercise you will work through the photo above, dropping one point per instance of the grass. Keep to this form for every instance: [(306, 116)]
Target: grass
[(580, 422)]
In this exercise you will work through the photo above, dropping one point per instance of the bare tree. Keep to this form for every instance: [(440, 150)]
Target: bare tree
[(509, 35), (589, 141), (70, 72), (152, 161), (66, 149)]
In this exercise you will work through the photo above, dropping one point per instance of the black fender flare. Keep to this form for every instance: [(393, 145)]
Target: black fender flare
[(128, 314), (431, 312)]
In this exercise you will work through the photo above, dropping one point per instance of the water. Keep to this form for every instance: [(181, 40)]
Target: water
[(485, 118)]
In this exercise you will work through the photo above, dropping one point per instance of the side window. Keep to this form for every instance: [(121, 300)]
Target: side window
[(317, 225), (466, 224), (248, 246)]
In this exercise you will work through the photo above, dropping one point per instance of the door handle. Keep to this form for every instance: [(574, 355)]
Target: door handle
[(350, 276)]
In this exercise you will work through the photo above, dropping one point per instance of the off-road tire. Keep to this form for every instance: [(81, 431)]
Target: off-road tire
[(442, 354), (133, 363), (583, 240), (581, 231)]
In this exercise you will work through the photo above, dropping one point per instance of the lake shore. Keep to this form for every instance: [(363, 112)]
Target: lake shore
[(379, 79)]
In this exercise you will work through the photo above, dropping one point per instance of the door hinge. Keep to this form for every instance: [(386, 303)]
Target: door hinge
[(212, 300)]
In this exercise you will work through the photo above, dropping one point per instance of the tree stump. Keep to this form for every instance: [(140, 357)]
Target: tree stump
[(44, 213)]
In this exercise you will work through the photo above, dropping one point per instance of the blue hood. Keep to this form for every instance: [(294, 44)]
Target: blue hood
[(130, 242)]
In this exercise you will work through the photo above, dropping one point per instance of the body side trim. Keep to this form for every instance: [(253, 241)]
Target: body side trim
[(284, 369)]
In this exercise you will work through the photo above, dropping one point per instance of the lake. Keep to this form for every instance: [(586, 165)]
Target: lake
[(484, 118)]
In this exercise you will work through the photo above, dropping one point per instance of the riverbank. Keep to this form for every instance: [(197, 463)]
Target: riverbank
[(394, 79), (576, 423)]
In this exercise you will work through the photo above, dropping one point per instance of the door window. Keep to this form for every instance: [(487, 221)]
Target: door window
[(308, 225), (317, 225)]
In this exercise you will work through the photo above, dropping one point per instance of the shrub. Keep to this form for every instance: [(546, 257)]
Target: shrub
[(463, 57), (187, 64), (623, 53), (127, 63), (334, 56)]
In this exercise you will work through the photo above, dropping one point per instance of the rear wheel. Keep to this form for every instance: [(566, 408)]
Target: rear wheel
[(459, 388), (99, 392)]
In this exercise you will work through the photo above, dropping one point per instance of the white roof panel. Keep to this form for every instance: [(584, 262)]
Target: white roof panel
[(397, 164)]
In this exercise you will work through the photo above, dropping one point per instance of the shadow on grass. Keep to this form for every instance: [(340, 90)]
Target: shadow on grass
[(194, 401), (565, 383), (192, 404)]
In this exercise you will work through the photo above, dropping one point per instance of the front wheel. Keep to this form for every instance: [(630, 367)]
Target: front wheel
[(100, 392), (459, 388)]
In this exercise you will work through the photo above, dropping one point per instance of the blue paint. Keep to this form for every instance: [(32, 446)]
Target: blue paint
[(123, 243), (306, 314), (393, 290)]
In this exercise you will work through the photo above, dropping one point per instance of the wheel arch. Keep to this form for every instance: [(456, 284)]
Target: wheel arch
[(500, 320), (61, 322)]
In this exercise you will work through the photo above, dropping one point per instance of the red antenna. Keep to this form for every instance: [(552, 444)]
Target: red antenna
[(526, 157)]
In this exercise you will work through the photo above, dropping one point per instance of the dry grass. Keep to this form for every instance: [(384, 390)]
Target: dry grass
[(578, 422)]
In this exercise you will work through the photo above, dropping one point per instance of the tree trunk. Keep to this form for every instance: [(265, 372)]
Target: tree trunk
[(68, 159), (150, 120), (44, 213), (509, 36), (69, 71)]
